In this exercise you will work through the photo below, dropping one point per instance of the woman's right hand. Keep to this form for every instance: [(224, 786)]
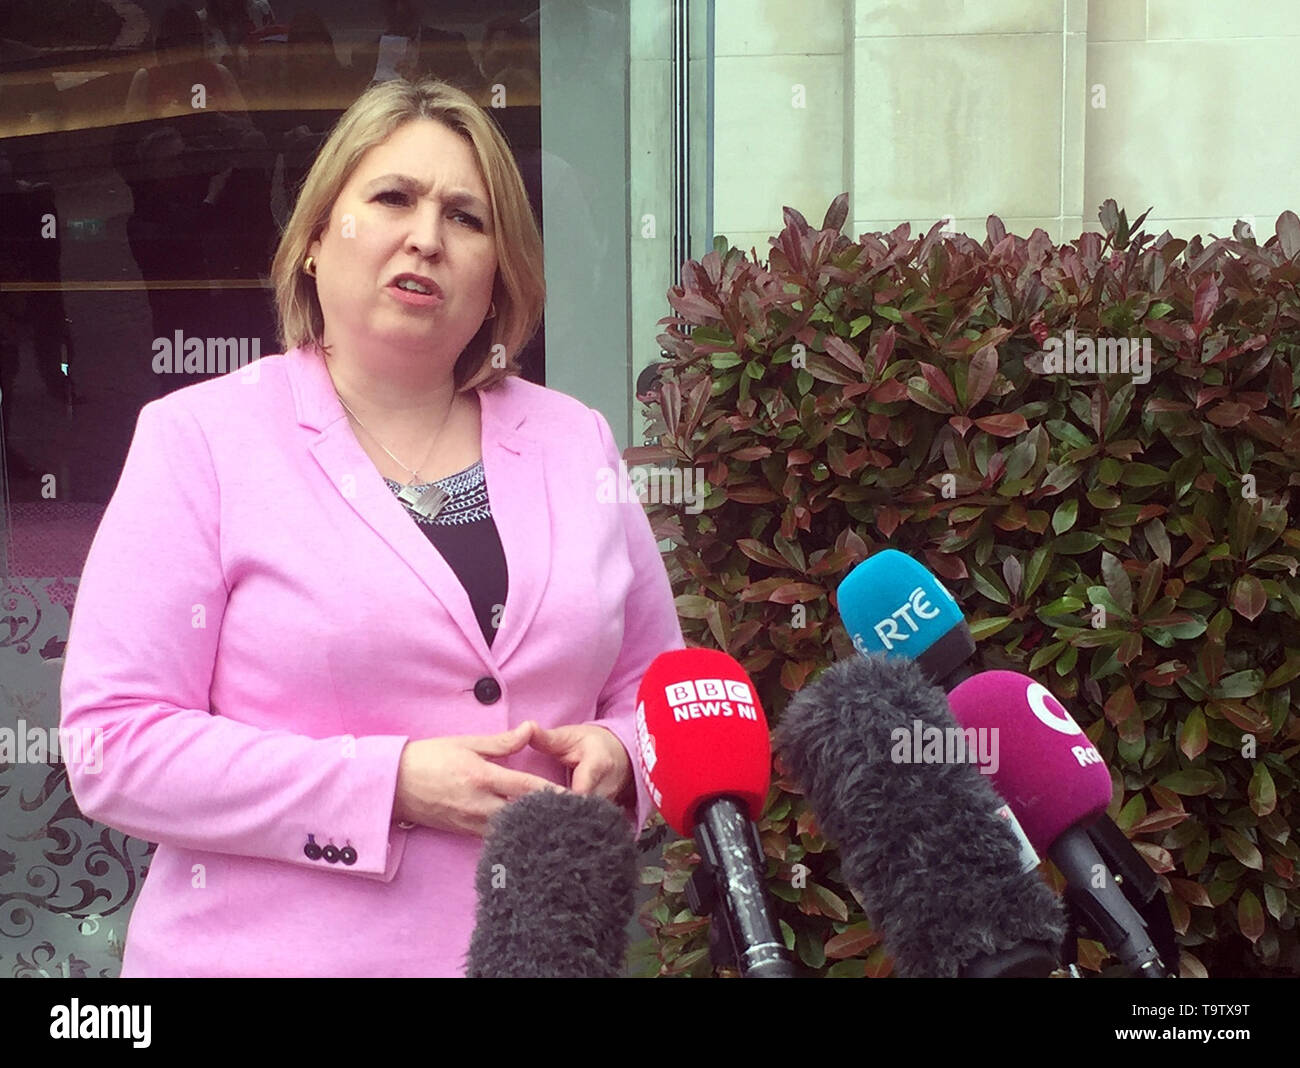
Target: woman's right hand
[(452, 784)]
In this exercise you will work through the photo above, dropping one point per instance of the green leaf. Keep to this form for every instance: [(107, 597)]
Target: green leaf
[(1193, 736), (1099, 596), (693, 606), (1240, 684), (1077, 541), (830, 903), (1067, 433), (1117, 581), (1036, 570), (1262, 792), (1062, 606), (1045, 655), (1064, 516), (1067, 661), (1190, 783), (1250, 916), (1109, 471), (1134, 809), (1287, 672), (1242, 848), (1137, 474), (809, 947), (1184, 473), (988, 585), (1187, 629), (986, 628)]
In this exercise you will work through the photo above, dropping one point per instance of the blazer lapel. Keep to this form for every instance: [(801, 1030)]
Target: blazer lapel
[(514, 468)]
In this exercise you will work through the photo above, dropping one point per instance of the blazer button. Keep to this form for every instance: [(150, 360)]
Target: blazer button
[(348, 855), (487, 690), (331, 854), (311, 849)]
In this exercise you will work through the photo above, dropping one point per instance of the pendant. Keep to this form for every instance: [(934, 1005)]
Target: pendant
[(427, 503)]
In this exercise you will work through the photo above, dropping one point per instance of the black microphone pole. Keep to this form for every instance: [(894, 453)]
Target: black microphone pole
[(729, 885)]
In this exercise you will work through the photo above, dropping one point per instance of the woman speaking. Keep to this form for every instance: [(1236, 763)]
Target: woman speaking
[(349, 601)]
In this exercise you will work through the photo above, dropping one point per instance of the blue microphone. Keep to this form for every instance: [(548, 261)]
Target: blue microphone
[(890, 604)]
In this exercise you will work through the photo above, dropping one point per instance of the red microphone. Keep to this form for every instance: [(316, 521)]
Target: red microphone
[(706, 757), (702, 735)]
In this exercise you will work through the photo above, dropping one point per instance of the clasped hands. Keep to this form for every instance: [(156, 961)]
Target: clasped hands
[(454, 784)]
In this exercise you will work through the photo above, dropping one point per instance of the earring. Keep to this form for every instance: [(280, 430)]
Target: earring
[(492, 310), (309, 266)]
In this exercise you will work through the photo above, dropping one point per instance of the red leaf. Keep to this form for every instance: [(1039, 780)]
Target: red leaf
[(1179, 332), (1158, 821), (888, 392), (946, 565), (851, 943), (794, 674), (796, 593), (1288, 234), (693, 306), (841, 350), (1158, 858), (751, 494), (1006, 425), (1229, 413), (760, 553), (939, 384), (1204, 303), (1248, 598), (885, 348), (980, 375), (1191, 892), (887, 520)]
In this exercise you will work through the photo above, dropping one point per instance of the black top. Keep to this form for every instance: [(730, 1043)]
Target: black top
[(465, 535)]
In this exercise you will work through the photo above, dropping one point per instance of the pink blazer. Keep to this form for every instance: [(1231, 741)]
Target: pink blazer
[(259, 629)]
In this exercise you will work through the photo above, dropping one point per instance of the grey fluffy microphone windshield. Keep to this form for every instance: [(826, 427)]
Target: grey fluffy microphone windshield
[(556, 890), (937, 871)]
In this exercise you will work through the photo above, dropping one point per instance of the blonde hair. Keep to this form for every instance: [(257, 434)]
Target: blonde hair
[(519, 290)]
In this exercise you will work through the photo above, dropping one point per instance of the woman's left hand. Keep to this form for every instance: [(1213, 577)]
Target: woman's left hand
[(596, 759)]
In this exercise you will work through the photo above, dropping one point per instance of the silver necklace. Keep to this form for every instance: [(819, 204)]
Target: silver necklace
[(433, 498)]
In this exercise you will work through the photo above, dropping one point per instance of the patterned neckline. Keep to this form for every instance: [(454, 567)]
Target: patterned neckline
[(468, 501)]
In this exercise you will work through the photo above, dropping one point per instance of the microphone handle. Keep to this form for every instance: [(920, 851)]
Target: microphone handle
[(1105, 907), (730, 849)]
